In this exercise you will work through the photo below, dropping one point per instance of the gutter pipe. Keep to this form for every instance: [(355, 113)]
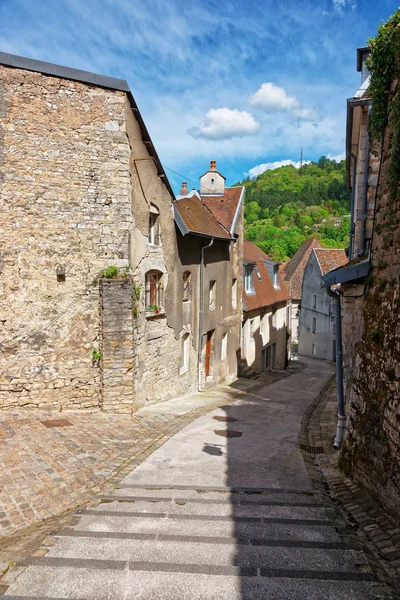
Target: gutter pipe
[(353, 194), (201, 311), (341, 424), (365, 190)]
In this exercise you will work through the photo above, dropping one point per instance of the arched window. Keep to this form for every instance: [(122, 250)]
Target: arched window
[(187, 286), (154, 291)]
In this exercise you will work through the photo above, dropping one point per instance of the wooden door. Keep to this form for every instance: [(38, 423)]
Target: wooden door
[(208, 353)]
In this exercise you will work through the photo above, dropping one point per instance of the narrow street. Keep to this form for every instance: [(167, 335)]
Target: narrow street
[(225, 509)]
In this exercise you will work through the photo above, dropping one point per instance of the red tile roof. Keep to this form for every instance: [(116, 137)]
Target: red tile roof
[(265, 293), (294, 269), (224, 206), (198, 219), (330, 259)]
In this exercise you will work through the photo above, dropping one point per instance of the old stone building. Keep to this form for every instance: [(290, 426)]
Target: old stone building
[(92, 278), (317, 313), (370, 302), (265, 303), (210, 242)]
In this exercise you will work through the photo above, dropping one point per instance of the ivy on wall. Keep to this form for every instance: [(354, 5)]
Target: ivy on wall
[(384, 65)]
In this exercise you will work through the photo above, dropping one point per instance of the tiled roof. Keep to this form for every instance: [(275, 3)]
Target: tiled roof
[(224, 206), (330, 259), (265, 293), (294, 269), (197, 219)]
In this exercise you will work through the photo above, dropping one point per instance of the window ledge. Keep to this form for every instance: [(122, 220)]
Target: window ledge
[(152, 315)]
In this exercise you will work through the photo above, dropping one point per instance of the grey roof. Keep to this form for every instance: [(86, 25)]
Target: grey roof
[(53, 70)]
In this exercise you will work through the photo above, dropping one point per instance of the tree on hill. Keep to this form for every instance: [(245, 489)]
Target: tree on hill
[(285, 206)]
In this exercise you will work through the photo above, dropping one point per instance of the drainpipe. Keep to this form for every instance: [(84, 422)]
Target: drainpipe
[(365, 190), (339, 370), (200, 340), (353, 194)]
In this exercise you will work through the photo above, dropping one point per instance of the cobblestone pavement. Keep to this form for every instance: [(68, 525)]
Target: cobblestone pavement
[(52, 462), (378, 532)]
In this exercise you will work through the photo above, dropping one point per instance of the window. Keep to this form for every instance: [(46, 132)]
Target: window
[(212, 181), (248, 279), (275, 277), (314, 350), (154, 226), (257, 273), (224, 346), (153, 291), (314, 301), (185, 352), (274, 318), (314, 324), (234, 293), (212, 294), (187, 288)]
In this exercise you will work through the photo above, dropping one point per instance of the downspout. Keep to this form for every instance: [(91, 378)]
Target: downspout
[(341, 424), (353, 195), (365, 189), (200, 340)]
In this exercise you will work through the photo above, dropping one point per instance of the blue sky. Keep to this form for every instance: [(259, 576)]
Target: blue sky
[(244, 82)]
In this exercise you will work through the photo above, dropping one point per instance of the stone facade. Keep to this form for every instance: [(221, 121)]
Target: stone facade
[(371, 327), (77, 186)]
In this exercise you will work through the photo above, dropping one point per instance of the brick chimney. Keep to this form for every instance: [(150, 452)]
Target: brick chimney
[(184, 191), (213, 165)]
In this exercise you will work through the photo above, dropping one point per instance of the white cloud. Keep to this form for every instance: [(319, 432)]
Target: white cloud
[(225, 123), (340, 5), (337, 157), (272, 98), (257, 170)]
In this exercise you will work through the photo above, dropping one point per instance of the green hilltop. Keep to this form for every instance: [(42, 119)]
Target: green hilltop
[(285, 206)]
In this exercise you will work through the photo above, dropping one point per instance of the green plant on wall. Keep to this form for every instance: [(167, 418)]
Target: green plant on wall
[(111, 272), (384, 64), (136, 292), (96, 355)]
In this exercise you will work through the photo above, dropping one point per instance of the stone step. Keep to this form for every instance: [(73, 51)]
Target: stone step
[(128, 522), (266, 496), (180, 506), (188, 551), (101, 580)]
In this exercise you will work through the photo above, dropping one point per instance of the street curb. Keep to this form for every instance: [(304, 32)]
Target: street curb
[(345, 495)]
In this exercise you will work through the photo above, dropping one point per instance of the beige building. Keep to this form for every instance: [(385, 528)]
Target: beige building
[(210, 242), (265, 303), (93, 281), (370, 307)]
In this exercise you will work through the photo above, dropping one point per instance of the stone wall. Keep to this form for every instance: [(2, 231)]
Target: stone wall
[(372, 361), (117, 347), (65, 202)]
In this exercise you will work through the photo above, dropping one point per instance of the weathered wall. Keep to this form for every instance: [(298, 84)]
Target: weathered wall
[(117, 345), (65, 200), (324, 313), (372, 362), (258, 333)]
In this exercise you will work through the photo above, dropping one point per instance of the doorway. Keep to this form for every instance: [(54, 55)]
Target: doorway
[(209, 349)]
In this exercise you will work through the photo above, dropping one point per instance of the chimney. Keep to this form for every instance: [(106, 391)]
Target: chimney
[(213, 165), (184, 190)]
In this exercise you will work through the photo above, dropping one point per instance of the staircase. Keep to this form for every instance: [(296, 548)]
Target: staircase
[(246, 371), (190, 543)]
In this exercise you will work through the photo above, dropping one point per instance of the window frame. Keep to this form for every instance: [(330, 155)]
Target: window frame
[(187, 286), (275, 278), (212, 297), (224, 346), (185, 353), (154, 297), (314, 324), (234, 293), (314, 302), (153, 238), (248, 278)]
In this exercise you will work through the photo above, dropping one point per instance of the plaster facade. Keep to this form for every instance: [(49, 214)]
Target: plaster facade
[(317, 315), (264, 328)]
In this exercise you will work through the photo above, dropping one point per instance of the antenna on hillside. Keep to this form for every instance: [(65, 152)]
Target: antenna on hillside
[(301, 161)]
